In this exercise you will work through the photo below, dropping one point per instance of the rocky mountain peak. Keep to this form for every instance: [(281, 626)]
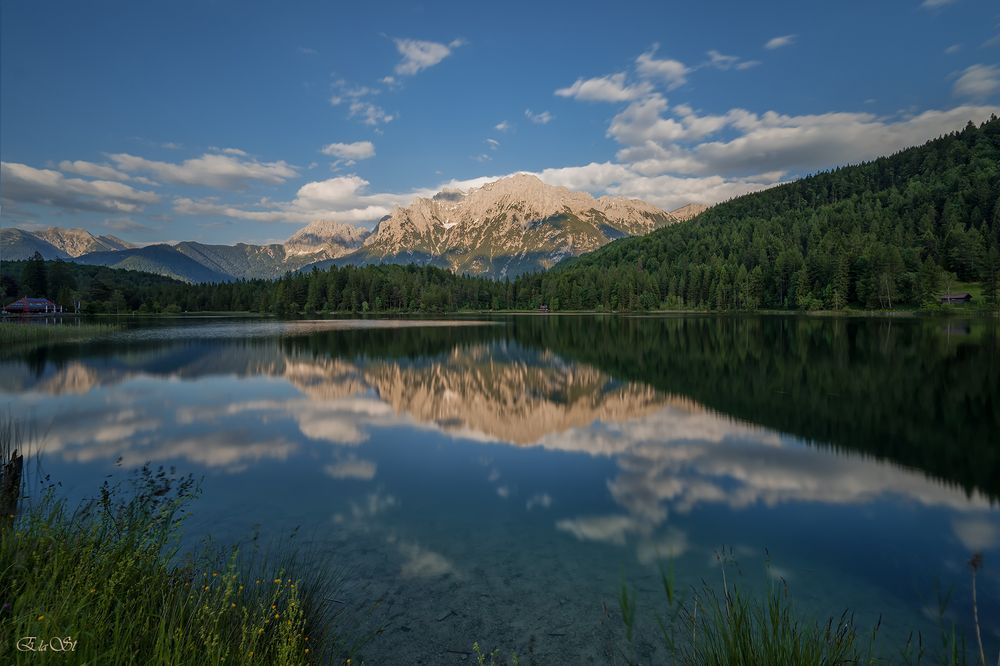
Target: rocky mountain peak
[(325, 235), (77, 242), (530, 193), (505, 227), (685, 213)]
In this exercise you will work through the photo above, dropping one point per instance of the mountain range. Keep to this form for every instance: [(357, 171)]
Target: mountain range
[(505, 228)]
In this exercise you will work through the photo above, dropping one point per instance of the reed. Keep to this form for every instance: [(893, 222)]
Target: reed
[(22, 335)]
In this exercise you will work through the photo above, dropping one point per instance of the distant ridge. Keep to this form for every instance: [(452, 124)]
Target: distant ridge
[(159, 259), (76, 242), (188, 261), (17, 244)]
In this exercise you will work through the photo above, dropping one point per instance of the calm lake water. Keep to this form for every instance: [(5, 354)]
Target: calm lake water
[(497, 479)]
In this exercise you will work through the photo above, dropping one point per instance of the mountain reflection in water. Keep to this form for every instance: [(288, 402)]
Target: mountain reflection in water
[(650, 402)]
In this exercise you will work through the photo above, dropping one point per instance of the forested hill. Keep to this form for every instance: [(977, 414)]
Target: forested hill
[(895, 231)]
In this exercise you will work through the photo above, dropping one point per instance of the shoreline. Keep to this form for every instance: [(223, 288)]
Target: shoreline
[(914, 313)]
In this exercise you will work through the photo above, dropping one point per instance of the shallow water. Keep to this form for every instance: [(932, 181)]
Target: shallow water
[(497, 480)]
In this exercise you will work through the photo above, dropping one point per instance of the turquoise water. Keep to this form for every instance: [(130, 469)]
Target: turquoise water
[(496, 480)]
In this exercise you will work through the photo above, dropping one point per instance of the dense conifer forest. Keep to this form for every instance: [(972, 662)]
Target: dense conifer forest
[(895, 232)]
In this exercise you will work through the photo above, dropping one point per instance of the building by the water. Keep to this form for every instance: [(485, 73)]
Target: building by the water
[(29, 305)]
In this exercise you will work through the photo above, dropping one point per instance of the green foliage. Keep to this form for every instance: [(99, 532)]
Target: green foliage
[(34, 277), (493, 658), (94, 286), (871, 236), (626, 604), (109, 575), (731, 628)]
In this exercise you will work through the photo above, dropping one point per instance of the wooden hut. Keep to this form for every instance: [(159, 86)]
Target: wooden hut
[(963, 297)]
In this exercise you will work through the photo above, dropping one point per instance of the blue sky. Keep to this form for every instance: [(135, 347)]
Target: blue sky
[(231, 121)]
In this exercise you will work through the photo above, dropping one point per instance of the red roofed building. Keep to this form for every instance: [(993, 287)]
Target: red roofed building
[(32, 306)]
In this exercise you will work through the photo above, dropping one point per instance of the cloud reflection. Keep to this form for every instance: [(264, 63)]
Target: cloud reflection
[(226, 406)]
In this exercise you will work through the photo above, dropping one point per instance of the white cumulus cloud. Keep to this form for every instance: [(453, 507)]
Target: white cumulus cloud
[(370, 114), (92, 170), (611, 88), (210, 170), (778, 42), (543, 118), (727, 62), (978, 82), (672, 72), (419, 54), (359, 150), (25, 184)]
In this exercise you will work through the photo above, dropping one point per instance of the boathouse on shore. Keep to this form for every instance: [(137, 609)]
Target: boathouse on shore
[(28, 305)]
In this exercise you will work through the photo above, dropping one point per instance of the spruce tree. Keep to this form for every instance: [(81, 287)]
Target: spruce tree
[(34, 278)]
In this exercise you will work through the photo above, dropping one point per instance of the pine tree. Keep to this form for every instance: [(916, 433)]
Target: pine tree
[(34, 279)]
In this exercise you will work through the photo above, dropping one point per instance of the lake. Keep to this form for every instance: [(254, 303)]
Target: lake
[(496, 479)]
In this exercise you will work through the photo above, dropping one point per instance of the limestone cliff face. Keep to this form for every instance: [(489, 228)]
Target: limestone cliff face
[(76, 242), (326, 239), (685, 213), (504, 228)]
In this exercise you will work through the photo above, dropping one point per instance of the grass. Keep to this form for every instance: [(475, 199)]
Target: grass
[(737, 630), (106, 580), (16, 335), (708, 627), (494, 658)]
